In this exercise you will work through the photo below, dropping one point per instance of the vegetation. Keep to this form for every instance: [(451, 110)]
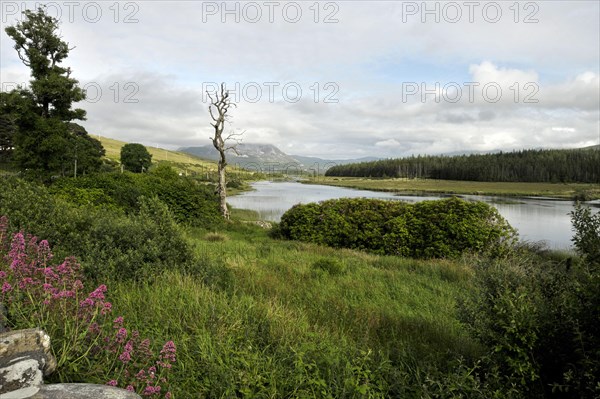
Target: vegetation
[(135, 158), (36, 131), (550, 166), (577, 191), (429, 229)]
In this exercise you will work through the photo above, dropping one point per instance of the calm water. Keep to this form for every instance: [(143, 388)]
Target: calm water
[(536, 219)]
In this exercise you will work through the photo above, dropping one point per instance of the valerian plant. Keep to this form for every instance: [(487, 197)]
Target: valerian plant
[(88, 343)]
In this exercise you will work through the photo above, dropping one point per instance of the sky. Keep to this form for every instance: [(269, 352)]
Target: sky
[(333, 79)]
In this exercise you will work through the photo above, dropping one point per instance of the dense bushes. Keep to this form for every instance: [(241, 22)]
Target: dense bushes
[(429, 229), (538, 317), (109, 243), (190, 202)]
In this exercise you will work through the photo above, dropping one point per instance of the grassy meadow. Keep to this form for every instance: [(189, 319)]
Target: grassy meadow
[(267, 321), (182, 162), (416, 186)]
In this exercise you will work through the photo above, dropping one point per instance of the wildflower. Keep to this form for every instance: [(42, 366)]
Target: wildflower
[(168, 395), (87, 302), (167, 355), (150, 390), (121, 335), (94, 328), (118, 322), (6, 287), (98, 293), (2, 274), (112, 383), (130, 388), (106, 309), (125, 357)]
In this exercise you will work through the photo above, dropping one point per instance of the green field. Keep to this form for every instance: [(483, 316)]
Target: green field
[(416, 186), (265, 322)]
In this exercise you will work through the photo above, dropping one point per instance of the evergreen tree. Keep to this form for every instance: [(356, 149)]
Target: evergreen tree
[(42, 140)]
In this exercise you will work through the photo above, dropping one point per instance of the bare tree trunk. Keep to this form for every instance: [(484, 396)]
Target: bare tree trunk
[(222, 186), (218, 108)]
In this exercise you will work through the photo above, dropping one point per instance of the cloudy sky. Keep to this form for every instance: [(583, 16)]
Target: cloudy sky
[(340, 79)]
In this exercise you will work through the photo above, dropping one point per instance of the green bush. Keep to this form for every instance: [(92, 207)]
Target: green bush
[(429, 229), (190, 202), (538, 316), (109, 244)]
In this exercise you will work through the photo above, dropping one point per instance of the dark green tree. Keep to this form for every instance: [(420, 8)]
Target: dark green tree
[(135, 157), (41, 138)]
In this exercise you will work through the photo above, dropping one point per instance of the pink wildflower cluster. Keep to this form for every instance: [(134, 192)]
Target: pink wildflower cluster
[(39, 294), (138, 370)]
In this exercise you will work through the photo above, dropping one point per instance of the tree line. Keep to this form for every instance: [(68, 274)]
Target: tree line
[(578, 165)]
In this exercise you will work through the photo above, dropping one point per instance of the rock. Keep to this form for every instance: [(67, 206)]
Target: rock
[(25, 358), (82, 391)]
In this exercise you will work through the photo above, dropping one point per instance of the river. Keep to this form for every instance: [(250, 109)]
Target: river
[(536, 219)]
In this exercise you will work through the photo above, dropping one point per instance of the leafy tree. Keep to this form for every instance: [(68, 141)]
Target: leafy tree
[(41, 136), (135, 157)]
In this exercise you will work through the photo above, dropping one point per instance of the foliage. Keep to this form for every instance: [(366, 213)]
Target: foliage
[(87, 345), (38, 118), (190, 202), (428, 229), (110, 244), (587, 233), (538, 317), (521, 166), (135, 158)]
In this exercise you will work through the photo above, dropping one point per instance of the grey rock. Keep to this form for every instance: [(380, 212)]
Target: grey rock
[(25, 358), (82, 391)]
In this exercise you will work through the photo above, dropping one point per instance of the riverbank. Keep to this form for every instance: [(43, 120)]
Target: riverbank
[(562, 191)]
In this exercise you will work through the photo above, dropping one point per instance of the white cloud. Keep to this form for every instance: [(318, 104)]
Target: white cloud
[(367, 54)]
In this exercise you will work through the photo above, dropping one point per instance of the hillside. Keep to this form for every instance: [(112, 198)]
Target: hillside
[(270, 158)]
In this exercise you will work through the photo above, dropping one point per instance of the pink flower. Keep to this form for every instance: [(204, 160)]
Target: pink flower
[(98, 293), (6, 287), (118, 322), (107, 308), (2, 274), (130, 388), (150, 390), (168, 395), (125, 357), (112, 383), (121, 335)]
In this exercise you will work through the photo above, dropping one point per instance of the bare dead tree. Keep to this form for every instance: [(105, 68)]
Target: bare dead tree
[(218, 108)]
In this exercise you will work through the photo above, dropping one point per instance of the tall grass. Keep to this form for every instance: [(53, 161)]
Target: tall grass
[(261, 321)]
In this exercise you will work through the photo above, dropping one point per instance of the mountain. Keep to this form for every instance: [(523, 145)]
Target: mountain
[(267, 157)]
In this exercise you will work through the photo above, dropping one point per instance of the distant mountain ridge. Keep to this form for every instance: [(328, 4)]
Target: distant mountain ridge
[(268, 157)]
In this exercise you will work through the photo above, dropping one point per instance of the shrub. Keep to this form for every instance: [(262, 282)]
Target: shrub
[(538, 317), (110, 244), (88, 346), (190, 202), (428, 229)]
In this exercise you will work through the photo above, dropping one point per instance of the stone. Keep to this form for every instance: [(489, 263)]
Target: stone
[(82, 391), (25, 358)]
